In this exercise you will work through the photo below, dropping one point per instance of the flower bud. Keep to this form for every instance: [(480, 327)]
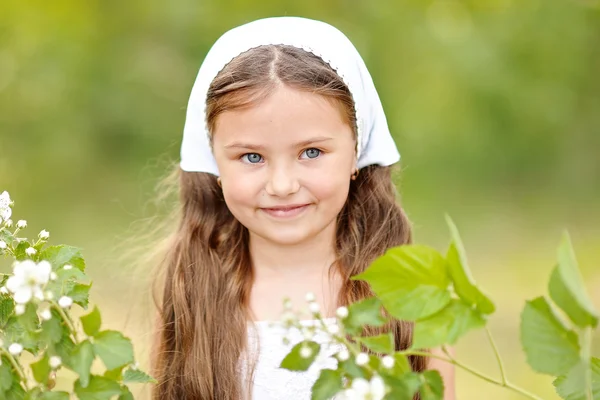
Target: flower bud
[(305, 352), (342, 312), (314, 307), (30, 251), (44, 235), (310, 297), (343, 354), (8, 223), (388, 362), (3, 245), (55, 362), (15, 349), (65, 302), (362, 359), (19, 309), (21, 224)]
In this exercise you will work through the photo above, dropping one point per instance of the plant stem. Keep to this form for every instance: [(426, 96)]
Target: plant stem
[(496, 353), (67, 320), (472, 371), (16, 365), (586, 344)]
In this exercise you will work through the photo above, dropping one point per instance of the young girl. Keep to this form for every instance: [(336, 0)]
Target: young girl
[(285, 188)]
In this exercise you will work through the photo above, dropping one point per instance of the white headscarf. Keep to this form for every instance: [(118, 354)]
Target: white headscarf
[(374, 141)]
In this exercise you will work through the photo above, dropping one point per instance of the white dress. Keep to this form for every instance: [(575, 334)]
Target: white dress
[(274, 383)]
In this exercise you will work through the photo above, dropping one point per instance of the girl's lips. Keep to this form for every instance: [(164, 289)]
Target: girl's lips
[(286, 212)]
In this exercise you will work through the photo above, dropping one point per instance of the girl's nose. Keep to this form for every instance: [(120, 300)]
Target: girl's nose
[(282, 182)]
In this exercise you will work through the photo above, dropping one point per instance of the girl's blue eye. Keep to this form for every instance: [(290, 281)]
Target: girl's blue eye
[(312, 153), (252, 158)]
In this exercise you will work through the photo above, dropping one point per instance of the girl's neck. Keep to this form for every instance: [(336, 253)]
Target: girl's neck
[(291, 271), (314, 255)]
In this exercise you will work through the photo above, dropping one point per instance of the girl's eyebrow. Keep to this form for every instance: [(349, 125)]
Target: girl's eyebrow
[(257, 147)]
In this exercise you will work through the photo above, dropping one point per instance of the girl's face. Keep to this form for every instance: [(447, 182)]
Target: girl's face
[(285, 165)]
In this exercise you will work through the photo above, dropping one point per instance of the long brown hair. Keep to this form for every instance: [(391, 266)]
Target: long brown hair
[(203, 312)]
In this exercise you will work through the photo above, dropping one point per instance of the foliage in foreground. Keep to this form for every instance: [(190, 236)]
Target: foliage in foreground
[(36, 302), (417, 283)]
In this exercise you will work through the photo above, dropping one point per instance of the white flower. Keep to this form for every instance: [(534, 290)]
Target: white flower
[(377, 386), (334, 329), (19, 309), (53, 276), (5, 214), (305, 352), (44, 235), (314, 307), (388, 361), (3, 290), (342, 312), (8, 223), (2, 244), (310, 297), (15, 349), (308, 334), (54, 362), (362, 359), (343, 354), (21, 224), (28, 279), (65, 302), (361, 389), (5, 201), (30, 251), (67, 266)]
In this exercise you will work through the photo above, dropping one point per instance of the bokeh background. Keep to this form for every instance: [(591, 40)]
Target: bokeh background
[(494, 104)]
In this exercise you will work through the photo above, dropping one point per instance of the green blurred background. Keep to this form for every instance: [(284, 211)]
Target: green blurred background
[(495, 106)]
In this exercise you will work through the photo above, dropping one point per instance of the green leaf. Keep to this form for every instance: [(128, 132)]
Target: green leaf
[(114, 374), (81, 360), (365, 312), (14, 332), (20, 254), (80, 294), (432, 386), (464, 284), (125, 394), (6, 375), (401, 366), (137, 376), (567, 289), (16, 392), (379, 344), (41, 369), (327, 385), (295, 362), (412, 281), (447, 326), (99, 388), (61, 255), (64, 348), (550, 347), (350, 369), (402, 387), (91, 322), (53, 396), (53, 329), (113, 348), (572, 385), (7, 306)]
